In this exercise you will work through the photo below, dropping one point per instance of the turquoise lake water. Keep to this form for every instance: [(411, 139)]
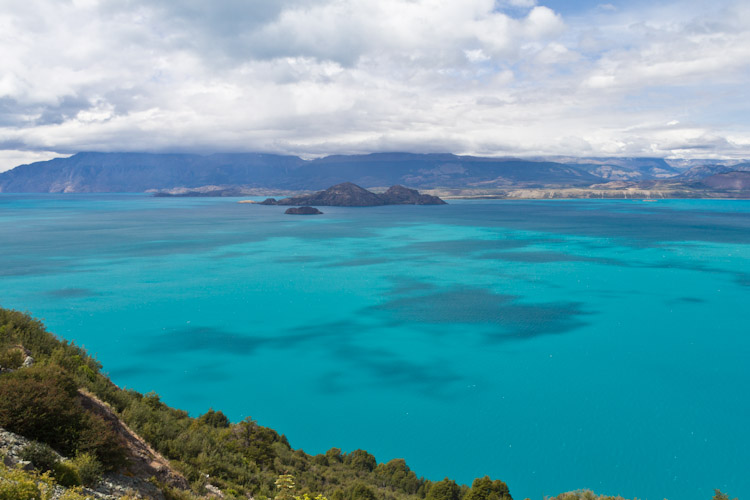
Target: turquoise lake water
[(554, 345)]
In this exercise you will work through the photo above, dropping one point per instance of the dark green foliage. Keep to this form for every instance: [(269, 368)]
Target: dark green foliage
[(360, 491), (98, 439), (485, 488), (214, 419), (334, 455), (360, 460), (41, 456), (398, 476), (446, 489), (41, 403), (19, 328)]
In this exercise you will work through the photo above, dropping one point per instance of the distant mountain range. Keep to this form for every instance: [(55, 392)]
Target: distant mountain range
[(141, 172), (699, 172)]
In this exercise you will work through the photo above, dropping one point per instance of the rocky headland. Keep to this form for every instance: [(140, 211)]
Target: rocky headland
[(348, 194)]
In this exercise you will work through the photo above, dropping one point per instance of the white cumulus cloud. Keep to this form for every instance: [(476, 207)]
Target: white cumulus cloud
[(329, 76)]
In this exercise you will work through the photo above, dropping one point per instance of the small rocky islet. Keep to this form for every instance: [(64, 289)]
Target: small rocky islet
[(303, 211)]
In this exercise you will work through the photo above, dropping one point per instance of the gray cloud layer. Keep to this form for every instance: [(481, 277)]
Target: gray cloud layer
[(325, 76)]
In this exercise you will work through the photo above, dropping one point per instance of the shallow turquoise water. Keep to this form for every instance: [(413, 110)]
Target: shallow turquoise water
[(552, 344)]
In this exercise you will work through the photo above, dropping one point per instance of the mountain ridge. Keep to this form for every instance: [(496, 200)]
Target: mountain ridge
[(91, 172), (258, 174)]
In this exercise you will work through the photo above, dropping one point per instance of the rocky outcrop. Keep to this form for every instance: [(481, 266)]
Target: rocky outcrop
[(351, 195), (143, 460), (113, 486), (303, 211), (341, 195)]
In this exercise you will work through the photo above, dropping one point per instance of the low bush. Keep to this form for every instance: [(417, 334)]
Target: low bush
[(17, 485), (66, 474), (89, 469), (12, 358), (41, 456), (42, 403)]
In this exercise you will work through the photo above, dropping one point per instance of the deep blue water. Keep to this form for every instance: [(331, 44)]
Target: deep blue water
[(552, 344)]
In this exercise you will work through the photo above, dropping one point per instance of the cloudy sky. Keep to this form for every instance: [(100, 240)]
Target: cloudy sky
[(314, 77)]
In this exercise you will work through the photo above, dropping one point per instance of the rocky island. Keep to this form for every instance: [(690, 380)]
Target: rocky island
[(348, 194)]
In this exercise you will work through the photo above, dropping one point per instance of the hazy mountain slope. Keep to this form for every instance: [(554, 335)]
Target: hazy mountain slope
[(138, 172), (737, 180), (624, 169), (433, 170), (702, 171)]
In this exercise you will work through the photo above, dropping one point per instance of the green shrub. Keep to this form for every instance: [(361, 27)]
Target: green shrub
[(214, 419), (66, 474), (19, 328), (334, 455), (42, 403), (12, 358), (360, 491), (486, 489), (17, 485), (89, 469), (39, 403), (98, 438), (361, 460), (40, 455), (444, 490)]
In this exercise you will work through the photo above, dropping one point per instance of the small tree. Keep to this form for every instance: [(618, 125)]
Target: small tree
[(486, 489), (285, 487), (215, 419), (446, 489)]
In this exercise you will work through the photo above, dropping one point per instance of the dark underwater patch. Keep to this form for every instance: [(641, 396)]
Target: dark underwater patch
[(463, 247), (337, 340), (477, 306), (297, 259), (743, 279), (533, 257), (692, 300), (366, 261), (230, 255), (384, 368), (72, 293), (405, 286), (135, 370), (547, 256), (204, 339)]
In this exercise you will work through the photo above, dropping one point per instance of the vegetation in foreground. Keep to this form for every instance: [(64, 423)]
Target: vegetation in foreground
[(45, 402)]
